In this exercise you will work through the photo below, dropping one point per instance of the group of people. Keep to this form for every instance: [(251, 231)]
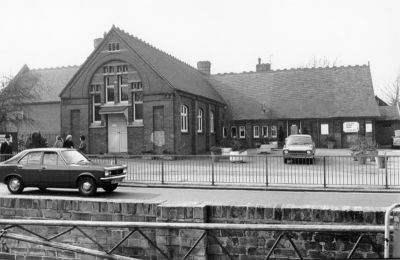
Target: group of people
[(59, 143)]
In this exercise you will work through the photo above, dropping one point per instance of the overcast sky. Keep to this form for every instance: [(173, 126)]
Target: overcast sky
[(230, 34)]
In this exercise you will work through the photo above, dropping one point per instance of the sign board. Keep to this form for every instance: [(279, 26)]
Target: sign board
[(368, 127), (351, 127), (324, 129)]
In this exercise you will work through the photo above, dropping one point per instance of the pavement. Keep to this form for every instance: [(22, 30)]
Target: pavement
[(232, 197)]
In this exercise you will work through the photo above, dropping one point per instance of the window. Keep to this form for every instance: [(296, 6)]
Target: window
[(212, 122), (96, 103), (256, 131), (233, 131), (242, 132), (111, 69), (109, 90), (184, 119), (123, 89), (31, 158), (368, 127), (274, 132), (119, 68), (137, 105), (264, 130), (125, 68), (113, 46), (136, 85), (224, 132), (50, 158), (105, 69), (200, 120)]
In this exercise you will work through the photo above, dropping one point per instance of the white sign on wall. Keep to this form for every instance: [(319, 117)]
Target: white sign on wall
[(351, 127), (324, 129), (368, 127)]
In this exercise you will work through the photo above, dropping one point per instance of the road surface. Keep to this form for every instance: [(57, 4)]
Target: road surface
[(222, 197)]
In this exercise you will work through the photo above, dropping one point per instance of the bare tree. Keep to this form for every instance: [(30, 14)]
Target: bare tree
[(14, 93), (392, 92), (315, 62)]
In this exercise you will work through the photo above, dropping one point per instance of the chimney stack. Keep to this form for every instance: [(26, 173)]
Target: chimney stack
[(96, 42), (204, 67), (263, 67)]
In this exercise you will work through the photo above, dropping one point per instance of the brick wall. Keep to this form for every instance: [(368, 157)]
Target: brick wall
[(241, 244)]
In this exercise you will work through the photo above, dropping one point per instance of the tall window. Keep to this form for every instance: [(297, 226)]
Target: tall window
[(184, 119), (264, 131), (137, 101), (256, 131), (233, 132), (109, 89), (123, 89), (212, 122), (242, 132), (96, 103), (224, 132), (274, 131), (200, 120)]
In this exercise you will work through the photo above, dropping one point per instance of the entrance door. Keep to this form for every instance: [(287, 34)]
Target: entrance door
[(117, 134), (158, 129), (75, 126)]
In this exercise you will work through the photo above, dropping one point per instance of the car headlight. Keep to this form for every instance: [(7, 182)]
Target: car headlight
[(285, 151), (124, 171), (308, 152), (107, 173)]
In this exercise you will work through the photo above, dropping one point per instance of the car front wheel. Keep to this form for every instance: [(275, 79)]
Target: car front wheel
[(87, 186), (15, 185), (110, 188)]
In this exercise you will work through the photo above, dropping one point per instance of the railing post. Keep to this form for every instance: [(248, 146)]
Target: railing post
[(162, 171), (266, 171), (212, 173), (386, 173), (115, 159), (324, 172)]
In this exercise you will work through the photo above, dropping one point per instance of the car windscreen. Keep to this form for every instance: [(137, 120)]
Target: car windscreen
[(72, 157), (397, 133), (299, 140)]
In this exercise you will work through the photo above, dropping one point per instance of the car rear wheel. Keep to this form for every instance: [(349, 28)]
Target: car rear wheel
[(110, 188), (87, 186), (15, 185)]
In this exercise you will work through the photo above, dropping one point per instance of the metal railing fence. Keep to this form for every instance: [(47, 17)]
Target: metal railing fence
[(283, 231), (323, 171)]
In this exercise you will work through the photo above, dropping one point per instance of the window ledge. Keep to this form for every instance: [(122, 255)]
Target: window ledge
[(136, 125), (96, 125)]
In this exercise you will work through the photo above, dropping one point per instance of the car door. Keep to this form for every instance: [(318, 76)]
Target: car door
[(54, 172), (28, 168)]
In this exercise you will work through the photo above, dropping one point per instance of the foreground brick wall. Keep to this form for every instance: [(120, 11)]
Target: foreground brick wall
[(175, 243)]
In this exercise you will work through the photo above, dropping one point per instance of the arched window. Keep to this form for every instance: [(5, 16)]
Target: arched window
[(212, 122), (184, 119), (200, 121)]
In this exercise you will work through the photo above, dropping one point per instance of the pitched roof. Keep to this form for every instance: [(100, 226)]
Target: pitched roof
[(389, 113), (51, 81), (299, 93), (180, 75)]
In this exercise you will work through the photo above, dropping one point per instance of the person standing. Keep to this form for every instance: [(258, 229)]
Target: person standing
[(82, 145), (68, 142), (6, 148), (58, 143)]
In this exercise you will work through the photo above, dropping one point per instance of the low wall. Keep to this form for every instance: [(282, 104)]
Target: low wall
[(175, 243)]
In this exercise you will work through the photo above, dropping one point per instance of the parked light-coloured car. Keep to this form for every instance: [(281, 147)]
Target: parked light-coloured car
[(59, 168), (299, 147), (396, 139)]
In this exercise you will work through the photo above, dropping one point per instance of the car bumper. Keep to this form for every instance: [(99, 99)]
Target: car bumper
[(113, 179), (298, 156)]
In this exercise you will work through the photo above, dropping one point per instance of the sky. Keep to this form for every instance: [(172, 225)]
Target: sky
[(231, 34)]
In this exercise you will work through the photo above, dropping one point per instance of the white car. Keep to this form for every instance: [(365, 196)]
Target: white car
[(299, 147), (396, 139)]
